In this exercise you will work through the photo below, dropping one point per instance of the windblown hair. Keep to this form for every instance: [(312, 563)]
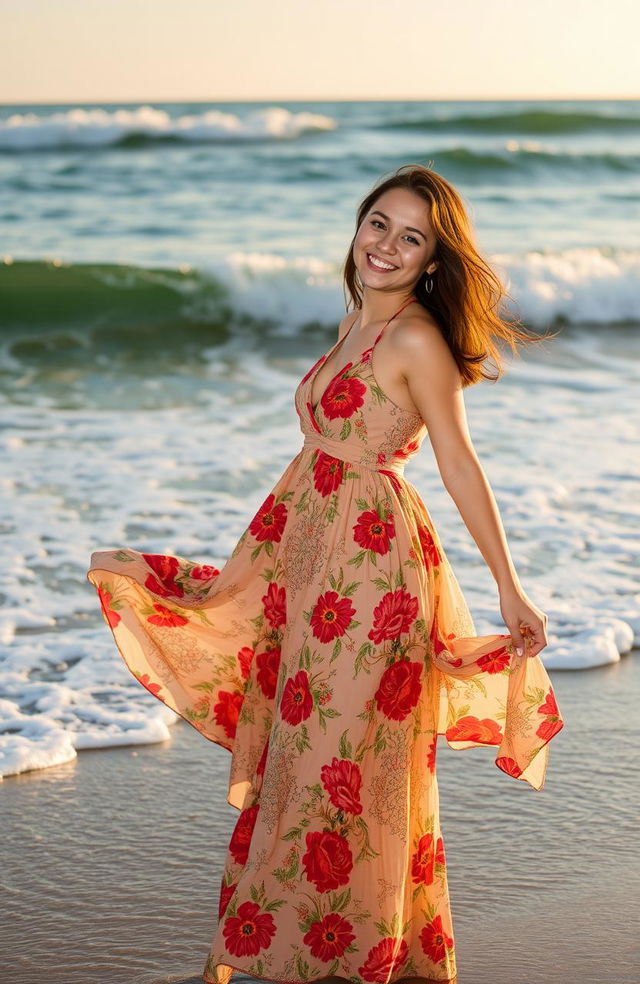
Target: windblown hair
[(467, 294)]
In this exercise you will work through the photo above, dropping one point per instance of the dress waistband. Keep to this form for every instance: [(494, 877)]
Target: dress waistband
[(337, 450)]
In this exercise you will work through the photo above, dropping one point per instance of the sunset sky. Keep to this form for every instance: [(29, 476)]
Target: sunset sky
[(100, 50)]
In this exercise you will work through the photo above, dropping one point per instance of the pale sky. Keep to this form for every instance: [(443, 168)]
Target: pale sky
[(145, 50)]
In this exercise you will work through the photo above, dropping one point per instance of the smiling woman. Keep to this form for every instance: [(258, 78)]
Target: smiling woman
[(335, 646)]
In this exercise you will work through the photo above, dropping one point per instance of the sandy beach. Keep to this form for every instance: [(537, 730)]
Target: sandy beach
[(111, 863)]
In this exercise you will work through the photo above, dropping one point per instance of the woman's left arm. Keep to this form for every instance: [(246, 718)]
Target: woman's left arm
[(435, 386)]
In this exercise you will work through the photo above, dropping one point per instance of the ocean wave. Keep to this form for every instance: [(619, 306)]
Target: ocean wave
[(576, 286), (539, 121), (55, 311), (515, 155), (99, 127)]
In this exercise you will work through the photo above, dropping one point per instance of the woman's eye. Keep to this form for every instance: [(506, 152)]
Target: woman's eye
[(378, 222)]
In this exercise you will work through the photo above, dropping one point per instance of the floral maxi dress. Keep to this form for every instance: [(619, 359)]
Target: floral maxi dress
[(327, 655)]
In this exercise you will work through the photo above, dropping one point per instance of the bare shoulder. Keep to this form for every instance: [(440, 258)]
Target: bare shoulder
[(422, 348), (346, 323)]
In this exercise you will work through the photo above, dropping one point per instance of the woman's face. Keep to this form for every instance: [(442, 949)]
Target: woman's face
[(397, 231)]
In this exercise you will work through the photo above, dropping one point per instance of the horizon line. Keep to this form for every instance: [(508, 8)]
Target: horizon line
[(311, 99)]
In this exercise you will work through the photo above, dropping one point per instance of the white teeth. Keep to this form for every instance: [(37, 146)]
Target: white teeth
[(379, 263)]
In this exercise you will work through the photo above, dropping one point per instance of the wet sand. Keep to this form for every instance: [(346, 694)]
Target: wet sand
[(110, 865)]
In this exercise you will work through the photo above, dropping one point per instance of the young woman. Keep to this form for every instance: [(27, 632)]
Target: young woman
[(335, 644)]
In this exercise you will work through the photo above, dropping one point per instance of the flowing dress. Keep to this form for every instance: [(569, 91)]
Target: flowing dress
[(327, 655)]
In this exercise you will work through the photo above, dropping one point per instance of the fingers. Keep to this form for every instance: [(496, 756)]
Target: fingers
[(535, 637), (518, 641)]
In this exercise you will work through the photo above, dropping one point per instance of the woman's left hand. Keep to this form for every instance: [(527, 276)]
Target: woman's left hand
[(526, 623)]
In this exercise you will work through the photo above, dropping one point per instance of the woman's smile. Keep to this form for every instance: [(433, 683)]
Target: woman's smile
[(382, 266)]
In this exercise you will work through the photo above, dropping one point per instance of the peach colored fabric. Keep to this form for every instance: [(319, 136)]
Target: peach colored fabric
[(327, 655)]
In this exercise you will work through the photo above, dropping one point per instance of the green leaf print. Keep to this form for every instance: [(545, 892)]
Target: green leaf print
[(122, 556), (350, 589), (330, 712), (365, 650), (206, 686), (286, 874), (340, 900), (344, 745), (379, 742), (357, 559), (302, 967), (302, 740)]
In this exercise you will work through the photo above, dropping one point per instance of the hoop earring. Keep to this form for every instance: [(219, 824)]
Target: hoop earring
[(428, 285)]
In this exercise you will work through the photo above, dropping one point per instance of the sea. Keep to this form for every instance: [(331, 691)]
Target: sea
[(169, 271)]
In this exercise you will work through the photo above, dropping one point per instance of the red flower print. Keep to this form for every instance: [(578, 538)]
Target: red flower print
[(275, 607), (330, 938), (407, 450), (166, 568), (245, 658), (227, 711), (434, 940), (328, 473), (166, 618), (495, 662), (343, 397), (384, 959), (399, 689), (248, 932), (342, 780), (268, 663), (111, 616), (204, 572), (241, 837), (331, 616), (431, 756), (269, 522), (263, 759), (226, 891), (297, 701), (509, 765), (470, 728), (317, 363), (153, 688), (327, 861), (430, 551), (552, 725), (395, 481), (394, 615), (425, 859), (438, 645), (374, 533), (153, 584)]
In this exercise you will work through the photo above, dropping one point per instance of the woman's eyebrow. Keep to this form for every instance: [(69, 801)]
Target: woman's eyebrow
[(410, 228)]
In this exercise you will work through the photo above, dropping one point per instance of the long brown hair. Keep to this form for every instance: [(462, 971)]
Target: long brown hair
[(467, 293)]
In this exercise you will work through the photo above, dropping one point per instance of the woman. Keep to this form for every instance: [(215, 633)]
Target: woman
[(335, 645)]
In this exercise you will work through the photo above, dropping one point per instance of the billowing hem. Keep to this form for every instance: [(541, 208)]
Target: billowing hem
[(203, 734)]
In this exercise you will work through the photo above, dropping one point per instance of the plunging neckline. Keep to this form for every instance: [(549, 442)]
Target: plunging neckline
[(334, 348)]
